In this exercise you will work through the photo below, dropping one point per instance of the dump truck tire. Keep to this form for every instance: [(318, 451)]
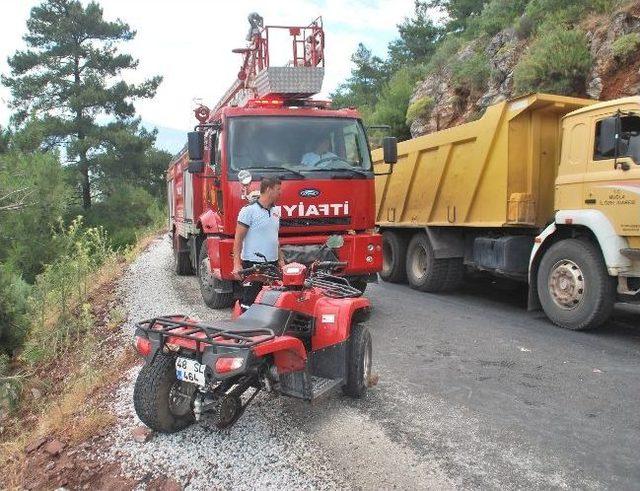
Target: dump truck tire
[(573, 285), (209, 283), (154, 389), (424, 271), (394, 252), (181, 256)]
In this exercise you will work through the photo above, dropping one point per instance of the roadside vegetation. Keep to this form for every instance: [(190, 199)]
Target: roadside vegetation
[(557, 60), (81, 185)]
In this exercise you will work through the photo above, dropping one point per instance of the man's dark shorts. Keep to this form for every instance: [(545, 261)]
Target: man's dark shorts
[(251, 289)]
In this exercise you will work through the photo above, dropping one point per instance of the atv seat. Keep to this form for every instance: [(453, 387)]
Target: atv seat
[(258, 317)]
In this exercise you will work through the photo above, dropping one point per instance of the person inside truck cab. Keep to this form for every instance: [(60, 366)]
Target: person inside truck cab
[(321, 152), (257, 233)]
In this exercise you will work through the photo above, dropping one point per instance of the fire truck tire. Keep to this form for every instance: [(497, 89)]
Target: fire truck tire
[(359, 356), (181, 256), (210, 285), (160, 400), (394, 250), (574, 288), (424, 271)]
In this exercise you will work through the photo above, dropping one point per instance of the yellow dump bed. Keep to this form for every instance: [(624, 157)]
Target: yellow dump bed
[(493, 172)]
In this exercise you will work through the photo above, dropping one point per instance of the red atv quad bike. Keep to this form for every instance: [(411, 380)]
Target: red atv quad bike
[(302, 337)]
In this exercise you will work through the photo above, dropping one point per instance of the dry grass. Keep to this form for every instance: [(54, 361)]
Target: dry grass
[(77, 407)]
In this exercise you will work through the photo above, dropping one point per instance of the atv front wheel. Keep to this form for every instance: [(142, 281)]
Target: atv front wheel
[(161, 401), (358, 362)]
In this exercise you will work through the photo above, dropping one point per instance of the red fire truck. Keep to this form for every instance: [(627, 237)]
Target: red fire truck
[(267, 125)]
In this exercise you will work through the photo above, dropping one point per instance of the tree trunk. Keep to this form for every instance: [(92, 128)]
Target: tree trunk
[(86, 185)]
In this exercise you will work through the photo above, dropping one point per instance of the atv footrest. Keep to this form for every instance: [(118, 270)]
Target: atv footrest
[(305, 386)]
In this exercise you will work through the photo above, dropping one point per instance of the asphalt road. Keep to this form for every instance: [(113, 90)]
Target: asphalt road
[(476, 392)]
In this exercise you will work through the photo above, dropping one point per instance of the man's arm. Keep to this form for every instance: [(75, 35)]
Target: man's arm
[(281, 262), (241, 233)]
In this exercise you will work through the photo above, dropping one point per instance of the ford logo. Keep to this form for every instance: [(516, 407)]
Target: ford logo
[(309, 193)]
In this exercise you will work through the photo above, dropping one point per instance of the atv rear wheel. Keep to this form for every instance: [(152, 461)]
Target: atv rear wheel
[(359, 356), (161, 401)]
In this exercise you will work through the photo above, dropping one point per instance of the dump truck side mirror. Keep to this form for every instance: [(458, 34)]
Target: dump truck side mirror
[(390, 149), (195, 145)]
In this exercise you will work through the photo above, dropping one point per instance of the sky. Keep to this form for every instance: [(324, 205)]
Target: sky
[(189, 43)]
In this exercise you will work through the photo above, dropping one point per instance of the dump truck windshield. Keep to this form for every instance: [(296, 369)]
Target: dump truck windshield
[(300, 144)]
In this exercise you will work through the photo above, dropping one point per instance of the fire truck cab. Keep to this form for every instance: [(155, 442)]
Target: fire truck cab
[(268, 126)]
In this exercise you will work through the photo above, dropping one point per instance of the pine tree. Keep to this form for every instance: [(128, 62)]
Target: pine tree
[(69, 81)]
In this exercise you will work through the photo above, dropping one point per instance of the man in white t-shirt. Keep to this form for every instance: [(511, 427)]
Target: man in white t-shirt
[(257, 231)]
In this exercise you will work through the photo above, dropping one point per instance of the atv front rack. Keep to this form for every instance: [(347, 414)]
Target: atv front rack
[(170, 326), (334, 286)]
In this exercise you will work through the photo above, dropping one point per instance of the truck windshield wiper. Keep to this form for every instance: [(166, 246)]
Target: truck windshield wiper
[(276, 168), (340, 169)]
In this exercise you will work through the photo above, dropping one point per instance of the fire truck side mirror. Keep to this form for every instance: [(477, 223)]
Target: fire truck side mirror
[(195, 145), (390, 149)]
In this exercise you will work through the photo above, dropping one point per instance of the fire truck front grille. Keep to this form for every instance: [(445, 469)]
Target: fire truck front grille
[(314, 222)]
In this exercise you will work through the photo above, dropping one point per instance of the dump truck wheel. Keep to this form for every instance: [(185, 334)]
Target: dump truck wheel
[(161, 401), (394, 251), (424, 271), (359, 357), (573, 285), (209, 283), (181, 256)]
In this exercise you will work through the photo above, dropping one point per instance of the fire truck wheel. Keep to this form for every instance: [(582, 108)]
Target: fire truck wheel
[(394, 250), (210, 286), (161, 401), (424, 271), (181, 255), (359, 355)]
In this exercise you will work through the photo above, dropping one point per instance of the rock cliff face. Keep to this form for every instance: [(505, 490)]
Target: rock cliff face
[(609, 77)]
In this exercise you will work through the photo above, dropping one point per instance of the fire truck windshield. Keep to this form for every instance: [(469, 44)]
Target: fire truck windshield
[(298, 144)]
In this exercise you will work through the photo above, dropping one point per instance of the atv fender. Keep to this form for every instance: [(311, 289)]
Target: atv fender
[(334, 318), (289, 354)]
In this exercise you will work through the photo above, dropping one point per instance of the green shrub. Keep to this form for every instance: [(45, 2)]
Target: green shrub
[(557, 62), (495, 16), (419, 109), (472, 72), (442, 57), (58, 310), (127, 212), (14, 293), (625, 46), (38, 182)]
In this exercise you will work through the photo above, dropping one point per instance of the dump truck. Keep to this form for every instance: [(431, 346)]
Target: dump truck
[(542, 189)]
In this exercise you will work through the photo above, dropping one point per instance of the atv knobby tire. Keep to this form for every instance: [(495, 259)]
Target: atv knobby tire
[(359, 358), (209, 283), (151, 396), (181, 255), (574, 288), (394, 252)]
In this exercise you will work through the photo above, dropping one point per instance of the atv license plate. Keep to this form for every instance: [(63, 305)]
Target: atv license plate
[(190, 371)]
